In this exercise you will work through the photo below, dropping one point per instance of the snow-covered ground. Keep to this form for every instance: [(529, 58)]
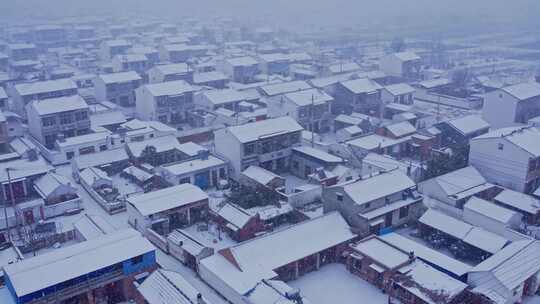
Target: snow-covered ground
[(213, 237), (334, 284), (532, 300), (124, 186)]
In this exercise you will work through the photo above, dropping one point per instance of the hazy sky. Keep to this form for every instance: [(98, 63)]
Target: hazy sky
[(328, 12)]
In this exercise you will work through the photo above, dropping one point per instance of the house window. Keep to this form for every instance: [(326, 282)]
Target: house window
[(295, 164), (137, 260), (81, 116), (339, 197), (48, 121), (357, 264), (367, 205), (500, 146), (66, 118), (102, 147), (185, 180), (249, 149), (70, 155), (404, 212)]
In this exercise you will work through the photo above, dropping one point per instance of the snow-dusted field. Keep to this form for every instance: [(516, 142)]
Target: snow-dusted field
[(334, 284)]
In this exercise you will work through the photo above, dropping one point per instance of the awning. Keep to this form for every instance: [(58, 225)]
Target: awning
[(377, 268), (376, 222)]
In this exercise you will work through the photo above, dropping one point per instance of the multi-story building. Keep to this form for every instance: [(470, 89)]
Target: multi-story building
[(176, 53), (358, 95), (130, 62), (402, 64), (370, 205), (266, 143), (276, 63), (22, 51), (310, 108), (23, 93), (118, 88), (167, 102), (212, 100), (509, 157), (50, 36), (111, 48), (512, 105), (401, 93), (59, 117), (88, 272), (241, 69)]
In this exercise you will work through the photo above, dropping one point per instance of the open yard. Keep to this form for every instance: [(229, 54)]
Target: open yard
[(334, 284)]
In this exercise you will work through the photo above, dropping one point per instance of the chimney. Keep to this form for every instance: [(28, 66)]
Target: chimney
[(411, 255), (200, 299)]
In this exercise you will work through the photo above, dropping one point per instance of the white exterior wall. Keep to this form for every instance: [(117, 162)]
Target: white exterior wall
[(499, 109), (145, 104), (34, 124), (507, 167), (100, 89), (155, 76), (219, 285), (229, 147), (278, 107), (391, 65), (136, 219), (477, 219)]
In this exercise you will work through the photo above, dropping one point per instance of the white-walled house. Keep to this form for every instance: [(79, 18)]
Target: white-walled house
[(401, 93), (65, 116), (211, 100), (167, 102), (130, 62), (22, 93), (311, 108), (403, 64), (512, 105), (118, 88), (241, 69), (509, 157), (264, 143)]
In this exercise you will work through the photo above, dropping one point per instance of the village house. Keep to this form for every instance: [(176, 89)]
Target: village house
[(255, 176), (150, 53), (212, 79), (509, 157), (111, 48), (264, 143), (118, 88), (23, 93), (206, 171), (162, 150), (527, 205), (400, 93), (311, 108), (170, 72), (21, 52), (50, 36), (212, 100), (130, 62), (491, 216), (376, 203), (241, 69), (403, 64), (512, 105), (375, 143), (92, 271), (167, 102), (59, 195), (63, 117), (236, 270), (457, 187), (306, 160), (357, 95), (274, 63), (276, 90), (509, 275), (164, 210), (176, 53), (187, 248), (163, 285), (240, 224), (461, 130)]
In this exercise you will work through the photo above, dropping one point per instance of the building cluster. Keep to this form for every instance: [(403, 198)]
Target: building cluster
[(202, 162)]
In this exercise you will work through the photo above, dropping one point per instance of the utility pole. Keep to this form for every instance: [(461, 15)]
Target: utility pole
[(311, 121), (11, 198)]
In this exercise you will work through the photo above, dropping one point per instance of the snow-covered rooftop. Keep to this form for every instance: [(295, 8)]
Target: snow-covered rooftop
[(265, 128), (38, 87), (71, 262), (407, 56), (169, 88), (168, 287), (469, 124), (518, 200), (260, 175), (309, 97), (490, 209), (362, 85), (166, 199), (120, 77), (162, 144), (523, 91), (171, 69), (318, 154), (192, 166), (58, 105), (401, 129), (399, 89), (381, 252), (218, 97), (527, 138), (367, 190), (242, 61), (286, 87)]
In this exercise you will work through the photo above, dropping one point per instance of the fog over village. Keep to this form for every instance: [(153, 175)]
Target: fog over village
[(269, 152)]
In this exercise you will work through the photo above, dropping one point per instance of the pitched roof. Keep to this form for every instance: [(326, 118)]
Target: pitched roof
[(32, 88), (362, 85), (166, 199), (399, 89), (379, 186), (527, 138), (286, 87), (120, 77), (308, 97), (58, 105), (523, 91), (265, 128), (468, 124), (169, 88)]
